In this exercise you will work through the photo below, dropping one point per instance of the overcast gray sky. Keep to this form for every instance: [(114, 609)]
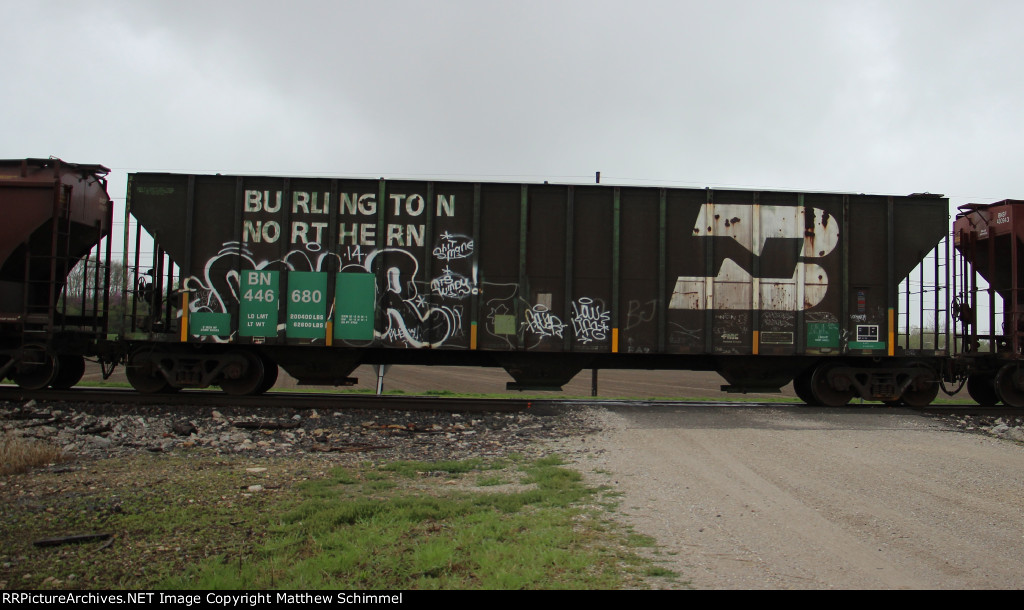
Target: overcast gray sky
[(889, 97)]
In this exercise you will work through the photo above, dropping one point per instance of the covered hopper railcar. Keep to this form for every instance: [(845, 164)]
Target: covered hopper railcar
[(320, 275), (53, 308), (989, 305)]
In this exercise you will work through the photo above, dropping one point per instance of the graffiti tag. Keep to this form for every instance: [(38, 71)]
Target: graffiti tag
[(451, 285), (540, 321), (453, 247), (589, 320)]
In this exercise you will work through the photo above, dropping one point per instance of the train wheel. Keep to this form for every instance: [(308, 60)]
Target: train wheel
[(982, 389), (143, 374), (245, 382), (1009, 385), (36, 369), (802, 387), (270, 372), (922, 391), (70, 370), (830, 392)]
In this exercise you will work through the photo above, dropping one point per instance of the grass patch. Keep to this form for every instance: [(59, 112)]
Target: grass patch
[(430, 538), (190, 521), (86, 383), (413, 469), (659, 572), (20, 455), (644, 540), (163, 512), (490, 481)]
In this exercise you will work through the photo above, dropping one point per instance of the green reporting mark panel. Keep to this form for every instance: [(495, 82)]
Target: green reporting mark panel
[(307, 305), (355, 295), (257, 309)]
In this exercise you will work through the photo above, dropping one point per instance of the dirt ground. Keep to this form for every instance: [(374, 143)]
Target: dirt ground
[(806, 498)]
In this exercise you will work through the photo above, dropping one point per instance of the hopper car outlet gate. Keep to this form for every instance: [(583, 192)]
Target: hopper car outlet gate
[(227, 278)]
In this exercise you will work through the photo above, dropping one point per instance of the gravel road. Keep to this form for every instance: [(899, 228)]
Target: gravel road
[(795, 497)]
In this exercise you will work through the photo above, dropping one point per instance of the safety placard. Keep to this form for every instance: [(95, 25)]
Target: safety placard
[(307, 304), (209, 324), (868, 337), (822, 334), (257, 308)]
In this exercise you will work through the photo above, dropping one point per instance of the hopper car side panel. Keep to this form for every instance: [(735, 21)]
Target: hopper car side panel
[(541, 279)]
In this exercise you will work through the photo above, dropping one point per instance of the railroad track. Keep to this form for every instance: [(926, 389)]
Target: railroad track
[(293, 400), (391, 402)]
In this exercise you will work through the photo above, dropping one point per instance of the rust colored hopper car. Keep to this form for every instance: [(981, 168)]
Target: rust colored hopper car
[(988, 238), (54, 214)]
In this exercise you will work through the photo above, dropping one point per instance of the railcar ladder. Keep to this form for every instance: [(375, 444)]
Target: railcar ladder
[(51, 303), (41, 273), (931, 295)]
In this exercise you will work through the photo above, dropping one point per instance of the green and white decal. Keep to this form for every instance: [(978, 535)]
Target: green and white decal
[(307, 304), (204, 323), (868, 337), (258, 307), (822, 334), (354, 304)]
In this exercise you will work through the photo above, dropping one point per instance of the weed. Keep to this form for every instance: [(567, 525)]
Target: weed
[(412, 469), (20, 455), (634, 539), (659, 572)]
